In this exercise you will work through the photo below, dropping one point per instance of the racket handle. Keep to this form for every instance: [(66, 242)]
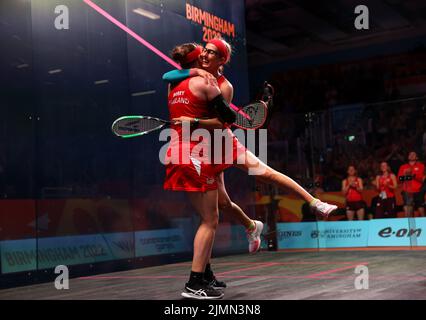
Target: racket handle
[(236, 109)]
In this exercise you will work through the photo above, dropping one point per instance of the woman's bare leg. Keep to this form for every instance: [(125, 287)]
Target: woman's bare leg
[(249, 162), (206, 206), (272, 176), (229, 207)]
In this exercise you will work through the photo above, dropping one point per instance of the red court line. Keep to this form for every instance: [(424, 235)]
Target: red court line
[(130, 277), (263, 277), (324, 277), (420, 248), (265, 265), (277, 263), (334, 270)]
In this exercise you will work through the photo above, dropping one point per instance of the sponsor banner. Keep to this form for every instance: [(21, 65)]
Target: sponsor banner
[(396, 232), (322, 234), (296, 235), (341, 234), (72, 250), (20, 255), (164, 241)]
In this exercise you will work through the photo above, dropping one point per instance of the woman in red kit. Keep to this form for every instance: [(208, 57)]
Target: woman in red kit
[(182, 108), (212, 57), (188, 171), (352, 189), (386, 185)]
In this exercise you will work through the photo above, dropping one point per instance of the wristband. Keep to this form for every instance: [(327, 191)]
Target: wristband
[(175, 76), (195, 123)]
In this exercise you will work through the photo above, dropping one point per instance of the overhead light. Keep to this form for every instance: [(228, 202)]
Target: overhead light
[(54, 71), (143, 93), (146, 13), (101, 81)]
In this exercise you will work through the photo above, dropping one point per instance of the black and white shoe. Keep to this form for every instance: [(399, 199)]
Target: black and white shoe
[(201, 291), (216, 283)]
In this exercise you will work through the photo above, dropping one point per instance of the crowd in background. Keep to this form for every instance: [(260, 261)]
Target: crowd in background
[(386, 135), (384, 121)]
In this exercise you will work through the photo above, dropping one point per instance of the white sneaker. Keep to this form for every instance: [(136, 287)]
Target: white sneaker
[(323, 208), (254, 237)]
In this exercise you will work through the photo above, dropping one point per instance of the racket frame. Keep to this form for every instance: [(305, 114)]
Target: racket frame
[(165, 122), (264, 118)]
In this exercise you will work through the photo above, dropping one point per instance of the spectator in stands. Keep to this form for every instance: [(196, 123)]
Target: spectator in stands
[(352, 188), (411, 176), (386, 184)]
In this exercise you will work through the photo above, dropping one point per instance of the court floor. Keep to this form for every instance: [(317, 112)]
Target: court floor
[(282, 275)]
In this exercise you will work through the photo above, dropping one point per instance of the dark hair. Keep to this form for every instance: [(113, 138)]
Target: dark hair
[(179, 53)]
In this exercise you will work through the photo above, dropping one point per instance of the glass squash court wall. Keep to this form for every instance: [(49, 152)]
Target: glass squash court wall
[(71, 192)]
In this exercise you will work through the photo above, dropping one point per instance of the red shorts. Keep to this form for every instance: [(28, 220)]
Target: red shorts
[(197, 176), (192, 177), (237, 149)]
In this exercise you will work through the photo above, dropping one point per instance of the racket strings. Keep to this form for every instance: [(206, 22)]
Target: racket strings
[(146, 125), (133, 126), (257, 114)]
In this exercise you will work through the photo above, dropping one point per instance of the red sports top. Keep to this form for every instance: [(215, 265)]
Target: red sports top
[(417, 170), (186, 170), (383, 180), (182, 102), (353, 194)]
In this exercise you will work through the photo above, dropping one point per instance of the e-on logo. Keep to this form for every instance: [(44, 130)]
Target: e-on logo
[(388, 232)]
